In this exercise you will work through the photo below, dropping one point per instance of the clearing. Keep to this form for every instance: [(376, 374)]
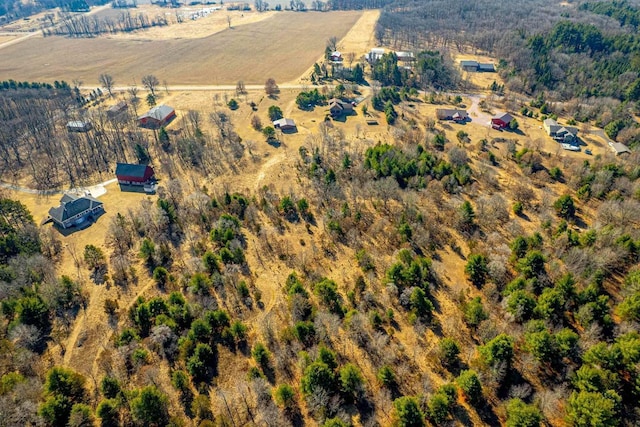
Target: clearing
[(282, 46)]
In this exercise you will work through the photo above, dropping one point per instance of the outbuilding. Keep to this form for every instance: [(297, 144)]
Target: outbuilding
[(79, 126), (130, 174), (284, 124), (501, 120), (157, 117)]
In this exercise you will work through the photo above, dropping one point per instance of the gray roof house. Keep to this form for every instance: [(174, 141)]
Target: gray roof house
[(452, 114), (74, 210), (566, 134)]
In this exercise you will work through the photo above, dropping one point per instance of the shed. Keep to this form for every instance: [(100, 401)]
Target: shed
[(619, 148), (130, 174), (405, 56), (284, 124), (74, 210), (116, 110), (336, 56), (486, 67), (157, 117), (469, 65), (79, 126)]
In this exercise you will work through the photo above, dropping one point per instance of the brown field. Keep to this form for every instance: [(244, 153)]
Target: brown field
[(282, 47), (4, 39)]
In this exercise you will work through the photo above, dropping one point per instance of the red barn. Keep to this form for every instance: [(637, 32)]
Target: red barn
[(501, 120), (156, 117), (129, 174)]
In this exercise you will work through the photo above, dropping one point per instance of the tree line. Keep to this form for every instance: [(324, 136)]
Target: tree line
[(91, 26)]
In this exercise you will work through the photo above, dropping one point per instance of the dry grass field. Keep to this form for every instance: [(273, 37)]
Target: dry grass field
[(282, 47)]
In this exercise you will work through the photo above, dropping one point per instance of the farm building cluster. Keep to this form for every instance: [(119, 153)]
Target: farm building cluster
[(77, 210)]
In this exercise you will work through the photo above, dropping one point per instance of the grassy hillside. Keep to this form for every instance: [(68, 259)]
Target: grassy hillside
[(481, 280)]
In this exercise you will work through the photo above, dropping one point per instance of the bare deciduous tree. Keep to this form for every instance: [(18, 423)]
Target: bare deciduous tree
[(151, 82), (270, 87), (107, 82)]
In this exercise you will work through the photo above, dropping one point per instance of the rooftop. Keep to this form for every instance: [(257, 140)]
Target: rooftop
[(159, 112), (72, 205), (127, 169)]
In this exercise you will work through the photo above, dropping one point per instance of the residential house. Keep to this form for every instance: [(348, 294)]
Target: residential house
[(501, 120), (284, 124), (452, 114), (563, 134), (74, 210), (375, 54), (79, 126), (336, 56), (130, 174), (338, 107), (157, 117)]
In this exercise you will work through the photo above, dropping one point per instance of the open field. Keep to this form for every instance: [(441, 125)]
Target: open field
[(5, 38), (282, 47)]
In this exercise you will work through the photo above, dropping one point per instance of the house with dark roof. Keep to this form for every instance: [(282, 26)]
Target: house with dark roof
[(338, 107), (284, 124), (501, 120), (130, 174), (74, 210), (452, 114), (158, 116), (562, 134)]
